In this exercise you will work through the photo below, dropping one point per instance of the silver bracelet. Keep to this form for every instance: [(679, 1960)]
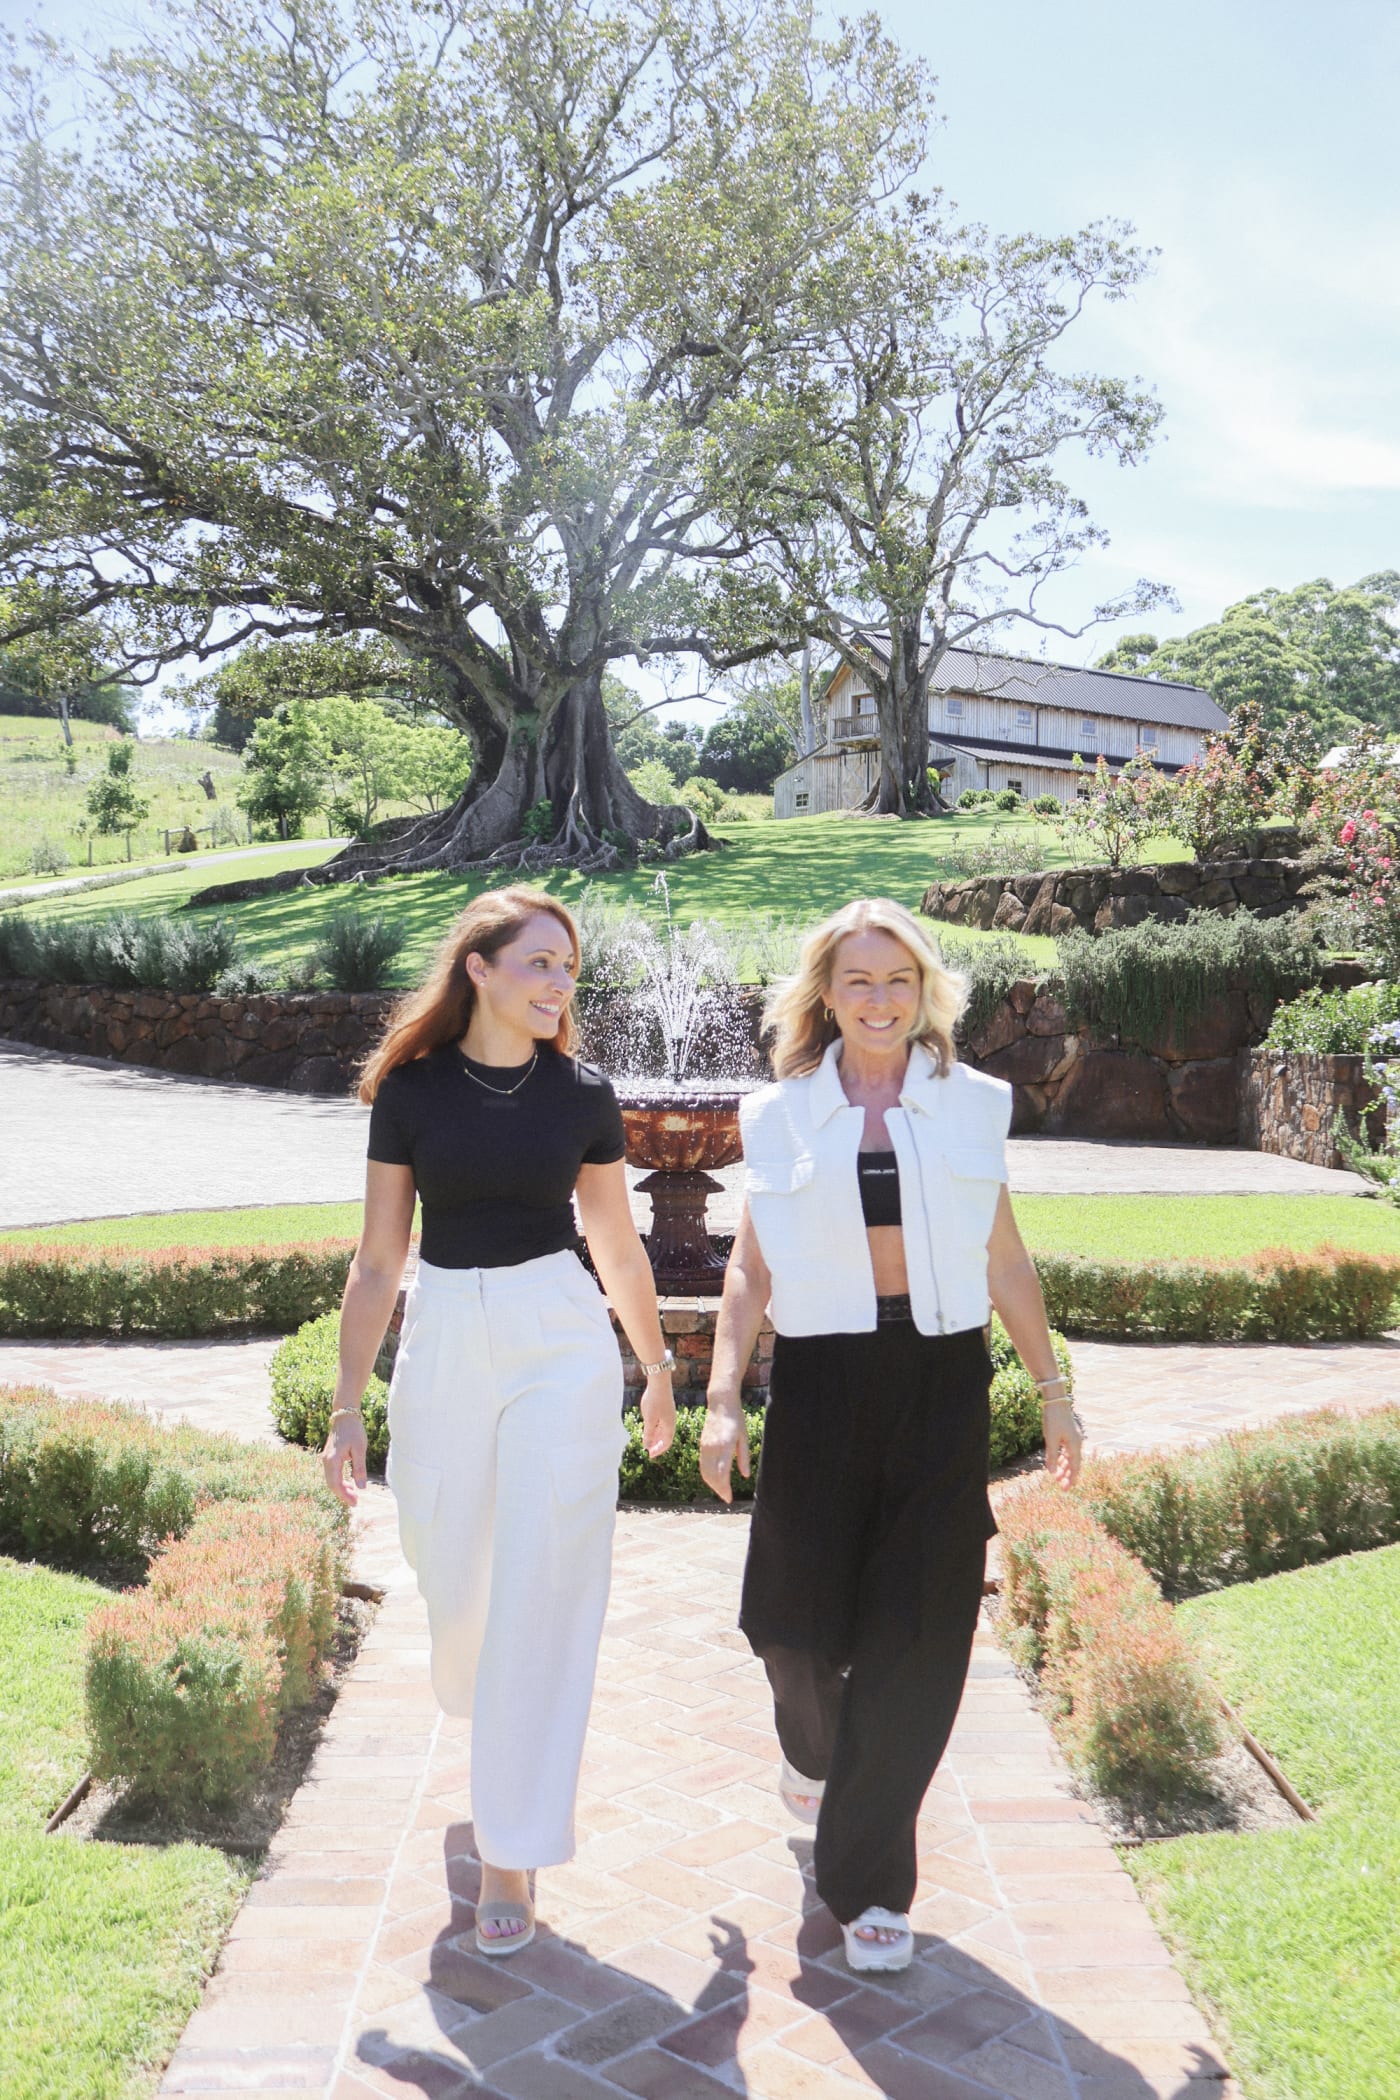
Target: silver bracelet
[(667, 1363)]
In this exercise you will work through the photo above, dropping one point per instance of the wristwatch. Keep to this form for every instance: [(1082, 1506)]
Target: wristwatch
[(667, 1362)]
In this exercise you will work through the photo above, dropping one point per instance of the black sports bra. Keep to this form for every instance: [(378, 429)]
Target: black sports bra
[(878, 1174)]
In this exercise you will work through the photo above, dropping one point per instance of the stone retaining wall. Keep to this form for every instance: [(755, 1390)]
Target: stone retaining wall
[(1080, 1084), (1289, 1102), (1068, 1082), (308, 1042), (1095, 900)]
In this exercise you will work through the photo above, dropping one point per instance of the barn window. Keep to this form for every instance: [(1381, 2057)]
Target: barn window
[(1015, 787), (1089, 730), (1024, 718), (800, 799), (1147, 736), (953, 704)]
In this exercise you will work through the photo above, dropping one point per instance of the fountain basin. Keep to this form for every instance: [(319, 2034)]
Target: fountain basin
[(680, 1131), (684, 1129)]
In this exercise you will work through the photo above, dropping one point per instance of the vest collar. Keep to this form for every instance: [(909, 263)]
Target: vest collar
[(828, 1094)]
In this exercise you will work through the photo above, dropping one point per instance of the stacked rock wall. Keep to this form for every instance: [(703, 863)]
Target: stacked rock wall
[(1096, 900), (1075, 1083), (308, 1042), (1290, 1100), (1068, 1082)]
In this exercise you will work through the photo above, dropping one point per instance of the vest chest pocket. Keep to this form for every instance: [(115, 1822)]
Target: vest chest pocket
[(778, 1177), (977, 1174)]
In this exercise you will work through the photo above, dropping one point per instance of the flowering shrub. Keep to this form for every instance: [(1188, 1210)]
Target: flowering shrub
[(1112, 813), (1333, 1024), (1255, 1503), (1131, 1705), (73, 1290), (1276, 1295)]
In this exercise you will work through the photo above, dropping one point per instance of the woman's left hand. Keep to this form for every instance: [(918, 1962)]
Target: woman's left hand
[(1064, 1445), (658, 1415)]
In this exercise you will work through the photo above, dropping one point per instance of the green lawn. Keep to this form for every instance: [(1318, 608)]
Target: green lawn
[(796, 870), (1292, 1938), (267, 1225), (1104, 1228), (166, 889), (103, 1948), (1208, 1228)]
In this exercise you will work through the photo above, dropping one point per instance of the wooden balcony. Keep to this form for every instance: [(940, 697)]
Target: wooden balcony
[(848, 729)]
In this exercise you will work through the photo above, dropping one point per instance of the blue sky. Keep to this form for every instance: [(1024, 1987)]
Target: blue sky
[(1255, 146)]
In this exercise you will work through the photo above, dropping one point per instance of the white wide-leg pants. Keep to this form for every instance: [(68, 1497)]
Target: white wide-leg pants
[(505, 1423)]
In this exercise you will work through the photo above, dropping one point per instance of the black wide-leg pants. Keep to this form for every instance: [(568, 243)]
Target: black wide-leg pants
[(864, 1580)]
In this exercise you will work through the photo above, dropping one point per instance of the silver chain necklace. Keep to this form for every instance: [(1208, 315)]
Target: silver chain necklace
[(466, 1067)]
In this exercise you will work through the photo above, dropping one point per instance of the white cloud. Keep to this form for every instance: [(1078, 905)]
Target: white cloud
[(1269, 332)]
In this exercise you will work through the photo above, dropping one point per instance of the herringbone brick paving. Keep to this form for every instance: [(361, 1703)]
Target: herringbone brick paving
[(682, 1955)]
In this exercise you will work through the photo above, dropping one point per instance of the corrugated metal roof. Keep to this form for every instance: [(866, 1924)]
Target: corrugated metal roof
[(1032, 755), (1070, 686)]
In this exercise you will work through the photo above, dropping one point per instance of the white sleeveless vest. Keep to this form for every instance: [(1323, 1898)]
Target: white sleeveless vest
[(801, 1138)]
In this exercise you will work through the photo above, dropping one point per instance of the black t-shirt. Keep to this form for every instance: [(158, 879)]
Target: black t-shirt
[(495, 1171)]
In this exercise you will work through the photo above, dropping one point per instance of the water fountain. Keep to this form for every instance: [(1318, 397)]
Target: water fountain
[(679, 1126)]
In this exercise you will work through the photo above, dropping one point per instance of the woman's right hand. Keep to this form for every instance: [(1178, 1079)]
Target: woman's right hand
[(344, 1446), (723, 1442)]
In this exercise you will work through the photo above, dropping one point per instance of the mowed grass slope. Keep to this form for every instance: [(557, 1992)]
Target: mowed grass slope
[(796, 871), (103, 1948), (1292, 1938), (41, 799)]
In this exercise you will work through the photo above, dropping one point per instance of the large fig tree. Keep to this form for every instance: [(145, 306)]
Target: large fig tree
[(432, 321)]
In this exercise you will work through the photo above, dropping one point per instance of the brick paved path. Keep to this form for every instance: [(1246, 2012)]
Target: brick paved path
[(682, 1955)]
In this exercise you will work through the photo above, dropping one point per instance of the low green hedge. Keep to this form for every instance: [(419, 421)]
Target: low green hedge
[(61, 1290), (1127, 1695), (188, 1674), (1255, 1503), (189, 1677), (1280, 1295), (303, 1384), (1324, 1294)]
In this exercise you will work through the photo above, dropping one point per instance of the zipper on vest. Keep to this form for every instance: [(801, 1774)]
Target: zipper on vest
[(928, 1223)]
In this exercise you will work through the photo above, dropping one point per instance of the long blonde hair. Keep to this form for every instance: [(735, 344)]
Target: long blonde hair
[(439, 1010), (796, 1014)]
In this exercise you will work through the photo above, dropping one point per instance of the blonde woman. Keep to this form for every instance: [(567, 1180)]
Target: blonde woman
[(878, 1227), (505, 1411)]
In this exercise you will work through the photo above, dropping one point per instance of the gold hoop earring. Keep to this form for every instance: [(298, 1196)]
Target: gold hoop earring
[(828, 1013)]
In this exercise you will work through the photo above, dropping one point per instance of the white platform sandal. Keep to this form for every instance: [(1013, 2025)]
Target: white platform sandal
[(521, 1914), (867, 1955), (792, 1786)]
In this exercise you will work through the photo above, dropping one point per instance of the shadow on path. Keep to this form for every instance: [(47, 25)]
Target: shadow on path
[(558, 2020)]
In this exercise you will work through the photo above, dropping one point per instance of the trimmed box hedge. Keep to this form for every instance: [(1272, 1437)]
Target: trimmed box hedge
[(1132, 1706), (189, 1677), (1280, 1294), (1277, 1295), (63, 1290), (1254, 1503), (190, 1673)]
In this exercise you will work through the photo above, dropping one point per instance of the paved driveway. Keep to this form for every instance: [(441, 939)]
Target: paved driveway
[(80, 1138)]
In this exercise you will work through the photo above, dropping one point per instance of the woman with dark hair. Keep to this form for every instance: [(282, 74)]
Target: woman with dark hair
[(876, 1222), (505, 1411)]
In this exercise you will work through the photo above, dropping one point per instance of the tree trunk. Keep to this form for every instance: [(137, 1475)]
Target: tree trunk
[(804, 699), (63, 718), (549, 793), (901, 700)]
